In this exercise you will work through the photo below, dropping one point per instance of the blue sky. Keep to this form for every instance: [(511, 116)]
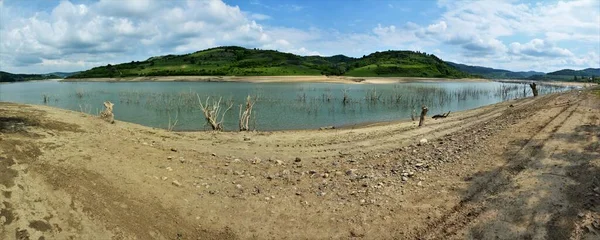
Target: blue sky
[(48, 36)]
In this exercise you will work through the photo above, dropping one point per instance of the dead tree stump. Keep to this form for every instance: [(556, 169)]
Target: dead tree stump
[(245, 115), (212, 112), (423, 113), (108, 114), (534, 89)]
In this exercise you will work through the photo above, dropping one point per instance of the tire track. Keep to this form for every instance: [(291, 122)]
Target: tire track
[(474, 204)]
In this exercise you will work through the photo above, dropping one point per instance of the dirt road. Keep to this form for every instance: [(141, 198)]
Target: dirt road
[(524, 169)]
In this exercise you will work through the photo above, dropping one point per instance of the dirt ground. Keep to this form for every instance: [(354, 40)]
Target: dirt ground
[(523, 169)]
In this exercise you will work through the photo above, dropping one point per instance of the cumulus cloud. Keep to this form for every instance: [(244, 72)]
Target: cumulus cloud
[(539, 48), (483, 27), (74, 36), (86, 35)]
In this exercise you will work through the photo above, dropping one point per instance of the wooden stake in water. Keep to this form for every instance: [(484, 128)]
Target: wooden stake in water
[(423, 113)]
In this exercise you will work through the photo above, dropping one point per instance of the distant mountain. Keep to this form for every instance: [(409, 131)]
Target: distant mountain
[(493, 73), (588, 72), (11, 77), (238, 61), (62, 74)]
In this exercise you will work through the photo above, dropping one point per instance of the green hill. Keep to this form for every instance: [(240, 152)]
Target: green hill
[(585, 75), (493, 73), (238, 61), (588, 72), (11, 77)]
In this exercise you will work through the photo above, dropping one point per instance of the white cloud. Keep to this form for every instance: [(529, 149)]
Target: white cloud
[(258, 16), (78, 36), (303, 52), (437, 28), (491, 33), (539, 48)]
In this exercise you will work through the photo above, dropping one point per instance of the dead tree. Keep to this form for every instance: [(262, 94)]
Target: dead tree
[(108, 114), (212, 113), (423, 113), (346, 98), (245, 115), (534, 89), (441, 115)]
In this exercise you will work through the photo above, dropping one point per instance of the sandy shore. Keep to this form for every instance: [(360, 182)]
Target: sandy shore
[(275, 79), (519, 169)]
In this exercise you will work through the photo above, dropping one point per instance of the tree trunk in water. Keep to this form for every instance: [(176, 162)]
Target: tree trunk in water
[(245, 115), (534, 89), (423, 113)]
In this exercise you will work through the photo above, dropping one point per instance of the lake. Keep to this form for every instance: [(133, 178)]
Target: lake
[(279, 106)]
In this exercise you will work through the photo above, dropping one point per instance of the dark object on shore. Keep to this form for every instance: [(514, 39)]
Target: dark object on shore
[(511, 105), (441, 115), (327, 128), (534, 89), (423, 113)]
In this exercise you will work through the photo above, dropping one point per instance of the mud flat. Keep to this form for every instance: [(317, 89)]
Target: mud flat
[(528, 168)]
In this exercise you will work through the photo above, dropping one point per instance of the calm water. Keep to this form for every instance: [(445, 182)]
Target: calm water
[(280, 105)]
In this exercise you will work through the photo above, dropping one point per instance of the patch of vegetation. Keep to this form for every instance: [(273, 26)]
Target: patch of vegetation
[(10, 77), (238, 61)]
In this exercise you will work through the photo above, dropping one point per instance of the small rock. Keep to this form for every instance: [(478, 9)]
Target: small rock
[(237, 160), (173, 150), (256, 160), (169, 169), (176, 183), (351, 172), (213, 154), (419, 164), (420, 184), (238, 186), (298, 159), (405, 179), (246, 138), (320, 194), (164, 178), (169, 157), (181, 159), (278, 162), (325, 175), (423, 141)]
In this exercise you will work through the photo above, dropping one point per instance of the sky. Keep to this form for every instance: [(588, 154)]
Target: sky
[(73, 35)]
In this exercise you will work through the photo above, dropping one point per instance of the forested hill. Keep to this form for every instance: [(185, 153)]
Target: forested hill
[(585, 75), (588, 72), (11, 77), (493, 73), (238, 61)]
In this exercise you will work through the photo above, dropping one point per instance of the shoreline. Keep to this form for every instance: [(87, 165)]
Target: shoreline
[(139, 182), (278, 79)]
